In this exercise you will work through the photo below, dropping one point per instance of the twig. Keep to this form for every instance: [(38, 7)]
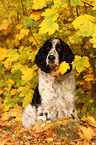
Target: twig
[(70, 8), (77, 10), (85, 8), (87, 4), (7, 11), (23, 7), (33, 36)]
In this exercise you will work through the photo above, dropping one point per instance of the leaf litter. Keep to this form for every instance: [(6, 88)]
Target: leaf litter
[(64, 131)]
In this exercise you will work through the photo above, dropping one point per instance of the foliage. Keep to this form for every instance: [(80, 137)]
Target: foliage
[(24, 26)]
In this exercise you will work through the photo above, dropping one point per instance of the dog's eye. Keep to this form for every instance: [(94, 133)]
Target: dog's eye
[(59, 49), (48, 48)]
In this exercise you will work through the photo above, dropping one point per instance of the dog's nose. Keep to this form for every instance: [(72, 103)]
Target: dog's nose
[(51, 57)]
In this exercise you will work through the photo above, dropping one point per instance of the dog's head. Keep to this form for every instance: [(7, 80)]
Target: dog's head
[(52, 53)]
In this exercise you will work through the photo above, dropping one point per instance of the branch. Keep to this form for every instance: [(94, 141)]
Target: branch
[(70, 9), (77, 10), (7, 11), (23, 7), (87, 4), (85, 8), (33, 36)]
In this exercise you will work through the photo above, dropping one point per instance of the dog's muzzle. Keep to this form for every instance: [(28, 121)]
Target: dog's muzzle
[(51, 59)]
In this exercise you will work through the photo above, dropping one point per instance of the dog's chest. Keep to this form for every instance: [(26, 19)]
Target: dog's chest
[(50, 89)]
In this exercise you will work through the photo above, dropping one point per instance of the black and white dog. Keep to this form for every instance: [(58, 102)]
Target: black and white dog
[(54, 96)]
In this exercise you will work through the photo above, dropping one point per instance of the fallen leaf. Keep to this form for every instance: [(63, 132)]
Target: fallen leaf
[(3, 142), (48, 124), (88, 133), (91, 121), (49, 139), (38, 128)]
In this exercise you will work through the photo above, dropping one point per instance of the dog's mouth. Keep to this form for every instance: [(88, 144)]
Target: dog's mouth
[(53, 66)]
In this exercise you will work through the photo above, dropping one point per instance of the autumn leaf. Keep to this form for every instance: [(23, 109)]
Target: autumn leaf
[(88, 133), (62, 68), (48, 124), (89, 77), (29, 4), (94, 5), (80, 63), (38, 128), (35, 16), (83, 20), (23, 32), (19, 26), (3, 53), (91, 121), (38, 4), (28, 22), (51, 14), (84, 24), (76, 2), (5, 24), (84, 118), (48, 26)]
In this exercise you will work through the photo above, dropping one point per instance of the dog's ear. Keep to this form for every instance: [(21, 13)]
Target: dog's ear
[(40, 58), (67, 54)]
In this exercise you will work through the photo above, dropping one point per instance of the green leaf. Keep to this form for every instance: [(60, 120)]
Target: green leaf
[(28, 22), (6, 77), (29, 4), (80, 63), (76, 2), (3, 83)]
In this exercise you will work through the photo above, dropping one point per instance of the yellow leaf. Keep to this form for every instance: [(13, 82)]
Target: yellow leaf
[(19, 26), (59, 121), (13, 114), (51, 14), (94, 8), (83, 20), (91, 121), (35, 16), (3, 53), (23, 32), (39, 4), (5, 116), (88, 133), (62, 68), (38, 128), (3, 142), (28, 98), (89, 77), (18, 118), (13, 91), (80, 63), (48, 124), (31, 39), (48, 26), (7, 63), (49, 139), (10, 82), (5, 24), (91, 101), (28, 73), (84, 118)]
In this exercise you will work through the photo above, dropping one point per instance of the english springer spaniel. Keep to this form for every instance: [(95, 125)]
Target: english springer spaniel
[(55, 95)]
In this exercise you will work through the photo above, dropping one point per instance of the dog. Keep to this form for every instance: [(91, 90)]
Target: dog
[(54, 96)]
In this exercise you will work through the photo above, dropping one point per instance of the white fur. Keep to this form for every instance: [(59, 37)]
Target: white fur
[(57, 97), (29, 117)]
